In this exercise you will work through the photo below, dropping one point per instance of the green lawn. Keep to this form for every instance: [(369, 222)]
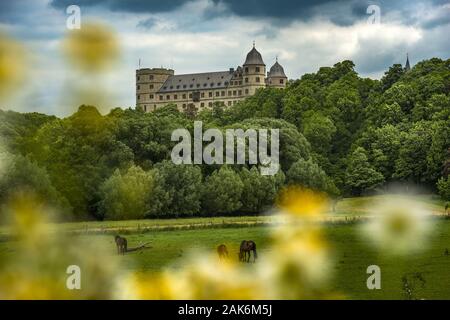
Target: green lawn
[(351, 254)]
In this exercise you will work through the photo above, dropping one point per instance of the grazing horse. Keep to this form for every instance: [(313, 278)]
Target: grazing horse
[(246, 248), (222, 251), (122, 245)]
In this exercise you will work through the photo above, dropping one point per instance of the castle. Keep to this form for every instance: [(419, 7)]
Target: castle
[(158, 87)]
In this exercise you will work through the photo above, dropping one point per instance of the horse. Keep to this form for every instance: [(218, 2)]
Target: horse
[(222, 251), (122, 245), (246, 248)]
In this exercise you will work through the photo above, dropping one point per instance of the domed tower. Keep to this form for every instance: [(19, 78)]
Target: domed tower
[(254, 72), (276, 77)]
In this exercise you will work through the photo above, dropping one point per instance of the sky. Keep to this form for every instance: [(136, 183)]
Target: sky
[(214, 35)]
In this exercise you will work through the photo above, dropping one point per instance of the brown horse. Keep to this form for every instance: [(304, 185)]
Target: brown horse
[(246, 248), (122, 245), (222, 251)]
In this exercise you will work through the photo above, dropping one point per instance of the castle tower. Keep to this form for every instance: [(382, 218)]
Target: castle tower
[(276, 78), (148, 83), (254, 72)]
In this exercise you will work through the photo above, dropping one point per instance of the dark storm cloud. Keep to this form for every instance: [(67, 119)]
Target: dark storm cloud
[(281, 9), (340, 12)]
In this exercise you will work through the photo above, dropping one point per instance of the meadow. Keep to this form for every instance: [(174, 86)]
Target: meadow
[(173, 240)]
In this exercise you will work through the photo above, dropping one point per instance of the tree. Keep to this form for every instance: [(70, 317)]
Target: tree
[(222, 192), (392, 76), (360, 176), (183, 184), (20, 174), (319, 131), (125, 196), (308, 174), (259, 191), (443, 186), (412, 160)]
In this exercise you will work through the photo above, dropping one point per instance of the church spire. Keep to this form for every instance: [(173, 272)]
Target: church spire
[(407, 66)]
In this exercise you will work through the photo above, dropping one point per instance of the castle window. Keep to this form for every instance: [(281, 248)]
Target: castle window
[(191, 86), (139, 87), (175, 97), (229, 103), (212, 84), (178, 87), (234, 92), (198, 85), (258, 70), (258, 79), (226, 83), (210, 104), (151, 96), (184, 96), (202, 105), (246, 80), (229, 93), (282, 81), (171, 87), (184, 105), (150, 77), (205, 85), (151, 86), (168, 97), (219, 84), (139, 97), (139, 78), (223, 93), (246, 91), (184, 86), (190, 95), (217, 93), (203, 94), (165, 88), (145, 108), (161, 98), (246, 69), (240, 82), (240, 92)]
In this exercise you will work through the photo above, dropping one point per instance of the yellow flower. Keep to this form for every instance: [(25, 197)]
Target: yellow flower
[(93, 48), (12, 65), (302, 202)]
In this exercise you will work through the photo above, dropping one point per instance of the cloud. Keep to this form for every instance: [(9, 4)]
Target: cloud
[(340, 12), (212, 35)]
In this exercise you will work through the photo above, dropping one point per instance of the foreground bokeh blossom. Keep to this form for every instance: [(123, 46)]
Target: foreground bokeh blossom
[(203, 277), (302, 202), (37, 268), (93, 48), (399, 226), (12, 66)]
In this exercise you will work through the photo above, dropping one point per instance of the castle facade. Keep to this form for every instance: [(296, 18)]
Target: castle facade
[(158, 87)]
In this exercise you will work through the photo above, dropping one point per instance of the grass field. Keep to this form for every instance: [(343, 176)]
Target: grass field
[(172, 240)]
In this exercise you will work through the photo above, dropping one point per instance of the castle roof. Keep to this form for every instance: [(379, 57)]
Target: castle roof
[(254, 58), (277, 71), (197, 81)]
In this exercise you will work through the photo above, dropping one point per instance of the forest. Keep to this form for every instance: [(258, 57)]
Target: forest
[(340, 134)]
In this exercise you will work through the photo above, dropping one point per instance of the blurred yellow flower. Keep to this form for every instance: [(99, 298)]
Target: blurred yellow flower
[(12, 65), (37, 269), (302, 202), (298, 265), (93, 48)]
